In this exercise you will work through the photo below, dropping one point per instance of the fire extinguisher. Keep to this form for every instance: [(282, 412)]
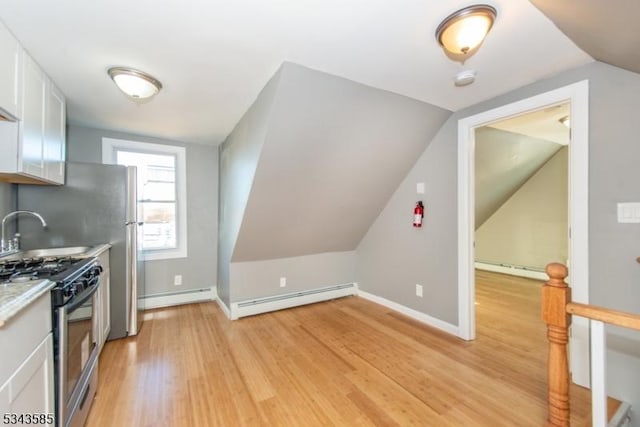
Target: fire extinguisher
[(418, 214)]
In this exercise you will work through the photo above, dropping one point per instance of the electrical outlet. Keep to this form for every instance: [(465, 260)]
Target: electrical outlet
[(177, 280), (420, 187), (283, 282), (419, 290)]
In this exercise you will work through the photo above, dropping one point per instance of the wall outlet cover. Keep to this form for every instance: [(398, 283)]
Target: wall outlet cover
[(177, 280), (283, 282), (628, 212), (419, 290)]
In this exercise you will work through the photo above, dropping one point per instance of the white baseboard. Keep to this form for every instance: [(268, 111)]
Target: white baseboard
[(187, 297), (414, 314), (224, 308), (622, 416), (512, 271)]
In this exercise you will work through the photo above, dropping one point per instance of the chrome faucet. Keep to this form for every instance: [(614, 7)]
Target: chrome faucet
[(4, 243)]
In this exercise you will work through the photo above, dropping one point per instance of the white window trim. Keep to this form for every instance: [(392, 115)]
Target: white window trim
[(109, 147)]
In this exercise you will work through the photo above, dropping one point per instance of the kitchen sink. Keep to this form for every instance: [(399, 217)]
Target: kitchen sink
[(50, 252), (43, 253)]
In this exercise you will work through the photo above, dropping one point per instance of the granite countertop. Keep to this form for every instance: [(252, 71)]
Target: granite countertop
[(16, 296)]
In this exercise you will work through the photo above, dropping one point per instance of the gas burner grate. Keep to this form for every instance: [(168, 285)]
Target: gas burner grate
[(34, 268)]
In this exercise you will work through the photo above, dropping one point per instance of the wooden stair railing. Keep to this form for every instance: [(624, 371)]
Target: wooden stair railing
[(557, 309)]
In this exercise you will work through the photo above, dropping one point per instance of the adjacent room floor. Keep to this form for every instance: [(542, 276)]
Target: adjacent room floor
[(347, 362)]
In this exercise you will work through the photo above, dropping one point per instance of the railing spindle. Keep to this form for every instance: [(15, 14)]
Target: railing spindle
[(598, 374)]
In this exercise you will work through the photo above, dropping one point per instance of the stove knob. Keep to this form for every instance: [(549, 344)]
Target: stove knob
[(79, 285)]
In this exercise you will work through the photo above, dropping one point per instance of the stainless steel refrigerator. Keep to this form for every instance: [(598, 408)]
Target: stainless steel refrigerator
[(98, 204)]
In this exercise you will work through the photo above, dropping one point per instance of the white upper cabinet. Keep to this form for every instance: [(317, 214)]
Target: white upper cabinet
[(33, 138), (54, 135), (30, 156), (10, 61)]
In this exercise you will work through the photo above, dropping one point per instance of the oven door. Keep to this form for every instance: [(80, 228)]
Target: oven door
[(77, 340)]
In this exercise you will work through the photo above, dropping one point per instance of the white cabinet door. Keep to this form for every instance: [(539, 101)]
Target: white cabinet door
[(10, 57), (104, 318), (54, 137), (30, 388), (105, 309), (31, 161), (32, 148)]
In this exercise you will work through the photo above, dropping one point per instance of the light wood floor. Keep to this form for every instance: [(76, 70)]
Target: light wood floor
[(347, 362)]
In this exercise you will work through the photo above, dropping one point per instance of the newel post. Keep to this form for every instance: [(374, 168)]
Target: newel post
[(555, 296)]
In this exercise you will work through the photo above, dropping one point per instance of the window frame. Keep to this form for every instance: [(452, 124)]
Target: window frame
[(109, 148)]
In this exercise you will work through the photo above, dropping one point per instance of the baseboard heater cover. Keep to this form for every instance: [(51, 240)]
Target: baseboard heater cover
[(622, 417), (294, 299), (512, 270), (178, 298)]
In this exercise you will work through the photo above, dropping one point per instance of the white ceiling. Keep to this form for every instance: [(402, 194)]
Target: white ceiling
[(213, 57)]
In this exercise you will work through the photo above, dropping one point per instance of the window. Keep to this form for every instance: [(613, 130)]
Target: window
[(161, 185)]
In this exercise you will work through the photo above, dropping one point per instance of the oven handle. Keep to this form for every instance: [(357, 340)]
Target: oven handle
[(85, 296)]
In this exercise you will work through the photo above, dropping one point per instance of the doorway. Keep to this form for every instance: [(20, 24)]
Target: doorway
[(521, 193), (577, 96)]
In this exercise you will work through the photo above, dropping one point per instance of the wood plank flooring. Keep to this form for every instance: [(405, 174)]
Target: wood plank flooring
[(347, 362)]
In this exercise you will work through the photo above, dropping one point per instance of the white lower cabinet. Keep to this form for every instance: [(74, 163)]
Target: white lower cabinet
[(26, 371), (29, 391)]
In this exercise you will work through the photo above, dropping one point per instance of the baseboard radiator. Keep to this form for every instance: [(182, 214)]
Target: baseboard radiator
[(513, 270), (278, 302), (622, 417)]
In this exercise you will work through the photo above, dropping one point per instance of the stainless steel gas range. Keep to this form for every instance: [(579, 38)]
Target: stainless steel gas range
[(75, 317)]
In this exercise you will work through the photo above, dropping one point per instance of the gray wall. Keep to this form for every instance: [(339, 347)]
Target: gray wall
[(394, 256), (530, 229), (330, 155), (8, 203), (614, 174), (198, 270), (254, 279), (239, 156)]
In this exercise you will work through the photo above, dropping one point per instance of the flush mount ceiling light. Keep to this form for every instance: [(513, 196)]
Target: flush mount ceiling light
[(135, 83), (464, 30)]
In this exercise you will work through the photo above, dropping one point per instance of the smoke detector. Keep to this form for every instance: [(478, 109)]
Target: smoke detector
[(464, 78)]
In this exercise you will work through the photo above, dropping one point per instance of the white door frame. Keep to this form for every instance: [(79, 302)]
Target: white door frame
[(578, 95)]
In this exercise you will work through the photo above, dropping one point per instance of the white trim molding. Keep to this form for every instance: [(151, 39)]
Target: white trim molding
[(414, 314), (224, 308), (577, 95), (179, 298)]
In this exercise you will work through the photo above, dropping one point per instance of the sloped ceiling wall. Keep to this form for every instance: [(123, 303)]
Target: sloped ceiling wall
[(504, 162), (238, 159), (334, 152), (525, 231), (606, 30)]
